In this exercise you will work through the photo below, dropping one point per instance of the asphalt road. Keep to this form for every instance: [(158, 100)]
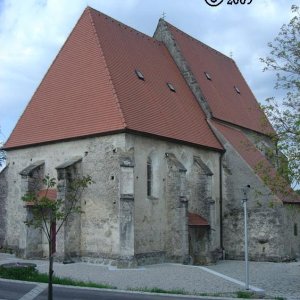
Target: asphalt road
[(62, 293), (12, 290), (16, 290)]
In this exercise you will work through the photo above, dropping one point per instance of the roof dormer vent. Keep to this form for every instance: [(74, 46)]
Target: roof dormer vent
[(139, 74), (237, 89), (171, 87), (207, 75)]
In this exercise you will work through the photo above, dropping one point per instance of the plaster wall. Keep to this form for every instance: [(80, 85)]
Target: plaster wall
[(265, 212), (292, 230), (153, 214), (99, 222), (269, 227)]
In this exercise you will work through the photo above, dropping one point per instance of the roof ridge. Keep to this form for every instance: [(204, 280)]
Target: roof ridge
[(106, 67), (194, 39), (285, 198), (46, 73), (124, 26)]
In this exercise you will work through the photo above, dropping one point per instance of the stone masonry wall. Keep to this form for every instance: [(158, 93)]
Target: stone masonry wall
[(265, 218), (201, 202), (152, 214), (292, 230), (119, 221), (177, 248), (268, 239), (99, 223), (32, 237), (200, 192), (72, 227)]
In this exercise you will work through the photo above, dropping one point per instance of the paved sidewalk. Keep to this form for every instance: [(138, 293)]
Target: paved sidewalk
[(277, 279)]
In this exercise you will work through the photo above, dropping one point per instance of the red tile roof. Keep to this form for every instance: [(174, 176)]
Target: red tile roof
[(91, 88), (225, 103), (76, 97), (254, 158), (197, 220), (49, 193)]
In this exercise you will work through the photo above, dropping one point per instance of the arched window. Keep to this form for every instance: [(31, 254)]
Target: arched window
[(149, 176)]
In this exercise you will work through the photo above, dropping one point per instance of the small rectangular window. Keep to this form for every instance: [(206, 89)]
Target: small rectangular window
[(171, 87), (207, 75), (237, 89), (295, 229), (139, 74)]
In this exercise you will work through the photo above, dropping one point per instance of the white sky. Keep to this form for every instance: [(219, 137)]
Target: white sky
[(33, 31)]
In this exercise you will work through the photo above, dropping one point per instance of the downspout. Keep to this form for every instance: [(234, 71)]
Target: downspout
[(221, 204)]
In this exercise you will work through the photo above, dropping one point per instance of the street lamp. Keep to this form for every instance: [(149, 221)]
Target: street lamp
[(244, 201)]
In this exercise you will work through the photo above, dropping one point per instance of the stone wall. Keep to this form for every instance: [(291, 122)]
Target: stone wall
[(177, 248), (199, 246), (202, 203), (32, 237), (161, 231), (99, 224), (71, 231), (266, 226), (120, 221), (200, 191), (292, 231), (269, 228)]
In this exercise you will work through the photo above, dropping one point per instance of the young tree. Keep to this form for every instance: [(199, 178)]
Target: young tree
[(49, 213), (2, 154), (284, 114)]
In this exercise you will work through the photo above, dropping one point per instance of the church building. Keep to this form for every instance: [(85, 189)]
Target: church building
[(171, 135)]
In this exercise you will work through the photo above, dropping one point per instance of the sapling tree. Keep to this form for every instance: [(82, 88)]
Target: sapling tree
[(50, 214), (284, 113), (2, 154)]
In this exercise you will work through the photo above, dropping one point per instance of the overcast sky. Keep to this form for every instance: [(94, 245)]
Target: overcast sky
[(33, 31)]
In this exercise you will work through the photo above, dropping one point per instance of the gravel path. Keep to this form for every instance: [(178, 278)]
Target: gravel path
[(277, 279), (164, 276)]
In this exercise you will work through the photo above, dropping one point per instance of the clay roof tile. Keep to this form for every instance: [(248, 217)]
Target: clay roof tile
[(254, 158), (91, 88), (227, 93), (197, 220)]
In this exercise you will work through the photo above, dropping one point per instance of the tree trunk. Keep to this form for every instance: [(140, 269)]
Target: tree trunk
[(50, 287)]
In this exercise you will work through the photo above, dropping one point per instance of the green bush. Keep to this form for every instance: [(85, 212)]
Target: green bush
[(29, 273), (160, 291), (244, 294), (18, 272)]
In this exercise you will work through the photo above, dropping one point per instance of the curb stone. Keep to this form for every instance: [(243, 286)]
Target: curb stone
[(44, 286)]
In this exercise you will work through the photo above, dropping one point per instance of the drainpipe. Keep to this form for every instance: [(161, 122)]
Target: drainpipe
[(221, 204)]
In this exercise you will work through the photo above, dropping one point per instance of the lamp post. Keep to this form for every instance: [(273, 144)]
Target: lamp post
[(244, 201)]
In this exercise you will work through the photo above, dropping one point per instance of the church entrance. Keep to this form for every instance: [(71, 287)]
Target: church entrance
[(198, 239)]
